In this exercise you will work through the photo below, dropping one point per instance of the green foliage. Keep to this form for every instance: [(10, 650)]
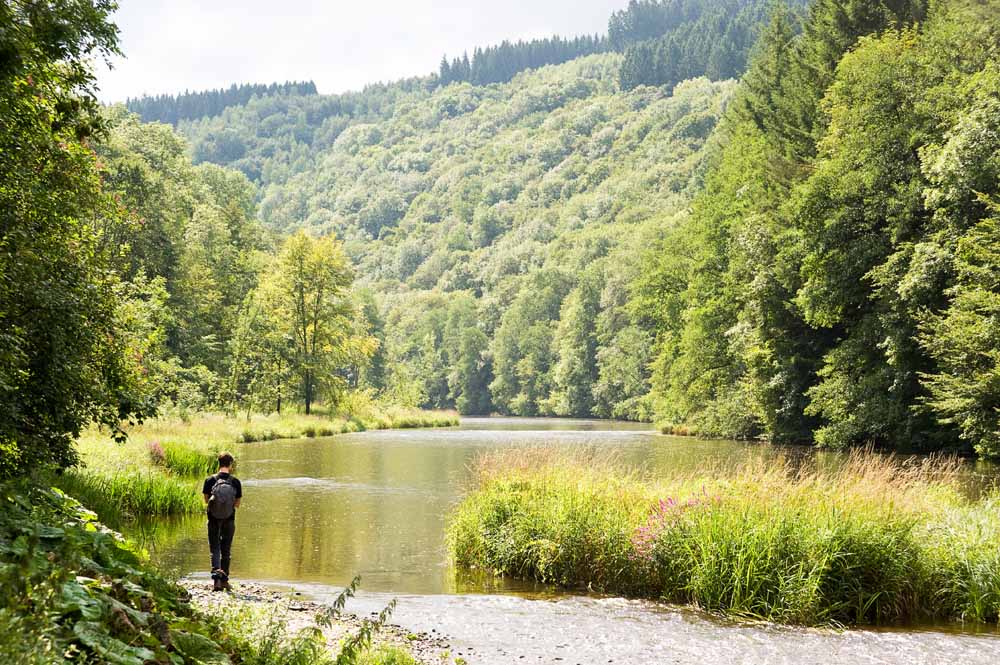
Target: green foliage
[(63, 362), (298, 327), (79, 591), (822, 256), (875, 541), (172, 109)]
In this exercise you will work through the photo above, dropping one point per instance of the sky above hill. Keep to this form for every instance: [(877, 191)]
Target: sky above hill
[(177, 45)]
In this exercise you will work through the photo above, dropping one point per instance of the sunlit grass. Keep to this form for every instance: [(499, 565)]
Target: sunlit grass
[(115, 496), (157, 471), (877, 540)]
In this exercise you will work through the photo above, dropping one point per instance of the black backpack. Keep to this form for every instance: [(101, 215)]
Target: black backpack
[(222, 502)]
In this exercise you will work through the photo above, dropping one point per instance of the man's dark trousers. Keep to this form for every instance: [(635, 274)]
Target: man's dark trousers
[(220, 541)]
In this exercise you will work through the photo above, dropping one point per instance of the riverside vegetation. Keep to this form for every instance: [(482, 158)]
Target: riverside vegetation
[(75, 591), (877, 540), (806, 255)]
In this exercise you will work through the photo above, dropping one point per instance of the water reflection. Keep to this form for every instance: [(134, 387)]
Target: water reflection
[(376, 503)]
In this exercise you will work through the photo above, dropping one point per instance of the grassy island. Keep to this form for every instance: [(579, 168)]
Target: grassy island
[(878, 540)]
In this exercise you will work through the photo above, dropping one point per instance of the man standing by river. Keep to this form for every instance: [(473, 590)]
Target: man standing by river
[(222, 493)]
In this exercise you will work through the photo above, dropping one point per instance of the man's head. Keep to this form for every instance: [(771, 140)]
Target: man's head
[(225, 460)]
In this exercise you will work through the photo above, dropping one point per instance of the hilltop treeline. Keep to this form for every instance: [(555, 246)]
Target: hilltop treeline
[(172, 109), (663, 41), (668, 41), (499, 64)]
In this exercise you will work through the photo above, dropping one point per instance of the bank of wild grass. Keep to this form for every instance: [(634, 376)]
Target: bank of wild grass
[(159, 469), (878, 540)]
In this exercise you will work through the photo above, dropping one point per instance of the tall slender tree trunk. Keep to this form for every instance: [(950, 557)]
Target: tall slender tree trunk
[(308, 391)]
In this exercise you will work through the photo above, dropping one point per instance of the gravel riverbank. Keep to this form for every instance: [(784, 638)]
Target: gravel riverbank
[(300, 612)]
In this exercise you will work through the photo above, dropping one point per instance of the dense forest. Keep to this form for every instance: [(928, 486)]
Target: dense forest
[(172, 109), (132, 281), (667, 41), (806, 254), (506, 228), (839, 276), (499, 64)]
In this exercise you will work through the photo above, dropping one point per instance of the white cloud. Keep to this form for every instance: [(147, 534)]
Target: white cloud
[(171, 46)]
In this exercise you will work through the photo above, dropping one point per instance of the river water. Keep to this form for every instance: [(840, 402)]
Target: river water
[(317, 512)]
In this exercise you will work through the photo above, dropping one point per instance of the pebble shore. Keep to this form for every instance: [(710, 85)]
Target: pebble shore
[(298, 612)]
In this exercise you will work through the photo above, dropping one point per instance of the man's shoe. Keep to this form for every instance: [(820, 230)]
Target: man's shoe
[(217, 580)]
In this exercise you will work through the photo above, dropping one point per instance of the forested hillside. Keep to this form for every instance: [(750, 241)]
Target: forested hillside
[(499, 224), (805, 256), (839, 273)]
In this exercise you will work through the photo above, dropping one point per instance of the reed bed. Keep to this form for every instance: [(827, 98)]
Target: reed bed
[(218, 430), (118, 495), (877, 540)]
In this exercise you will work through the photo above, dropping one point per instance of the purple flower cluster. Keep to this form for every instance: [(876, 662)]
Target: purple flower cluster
[(156, 452), (665, 513)]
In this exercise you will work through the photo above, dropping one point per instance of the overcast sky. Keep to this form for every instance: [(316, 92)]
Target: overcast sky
[(173, 45)]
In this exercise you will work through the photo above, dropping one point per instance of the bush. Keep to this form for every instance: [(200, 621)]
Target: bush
[(71, 589)]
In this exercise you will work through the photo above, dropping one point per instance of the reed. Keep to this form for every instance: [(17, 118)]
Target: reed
[(183, 460), (119, 495), (877, 540)]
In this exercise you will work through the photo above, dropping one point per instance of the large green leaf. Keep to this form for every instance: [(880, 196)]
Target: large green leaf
[(95, 636), (198, 648)]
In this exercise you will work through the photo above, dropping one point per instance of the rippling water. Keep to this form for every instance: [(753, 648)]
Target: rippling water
[(317, 512)]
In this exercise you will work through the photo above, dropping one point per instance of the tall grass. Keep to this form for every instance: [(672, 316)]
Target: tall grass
[(211, 432), (184, 460), (117, 495), (877, 540)]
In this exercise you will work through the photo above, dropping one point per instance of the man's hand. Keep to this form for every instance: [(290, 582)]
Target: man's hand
[(205, 497)]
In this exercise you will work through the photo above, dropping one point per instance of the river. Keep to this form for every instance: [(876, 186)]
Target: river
[(317, 512)]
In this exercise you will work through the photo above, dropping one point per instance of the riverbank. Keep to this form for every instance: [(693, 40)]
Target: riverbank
[(874, 541), (158, 470), (70, 589), (395, 644)]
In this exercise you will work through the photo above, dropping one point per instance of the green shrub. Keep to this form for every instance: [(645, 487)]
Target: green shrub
[(71, 589)]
